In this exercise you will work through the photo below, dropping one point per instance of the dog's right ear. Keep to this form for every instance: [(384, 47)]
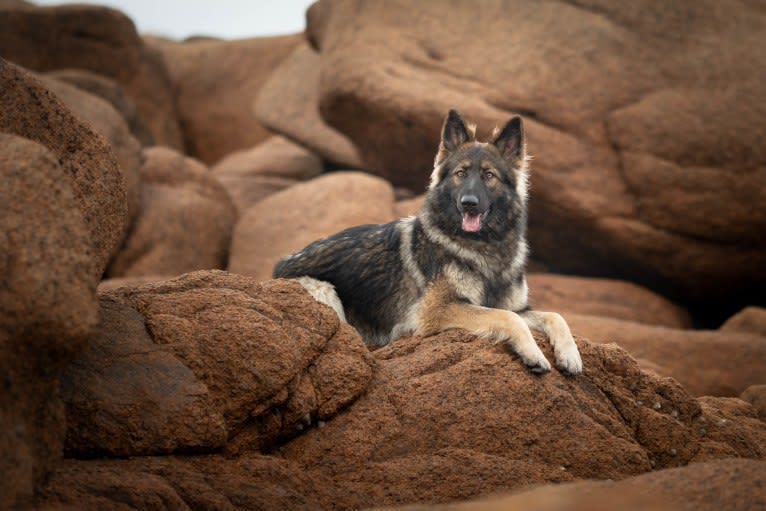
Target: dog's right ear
[(454, 132)]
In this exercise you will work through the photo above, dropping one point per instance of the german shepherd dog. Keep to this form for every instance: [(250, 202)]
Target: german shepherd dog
[(459, 263)]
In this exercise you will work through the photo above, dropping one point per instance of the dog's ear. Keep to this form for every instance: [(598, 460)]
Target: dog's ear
[(510, 140), (454, 132)]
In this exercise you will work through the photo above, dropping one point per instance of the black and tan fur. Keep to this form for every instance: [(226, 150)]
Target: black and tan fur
[(459, 263)]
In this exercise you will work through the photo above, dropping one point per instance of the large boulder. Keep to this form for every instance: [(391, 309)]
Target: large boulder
[(206, 361), (185, 220), (293, 218), (97, 39), (629, 176), (251, 175), (215, 82), (30, 110), (749, 319), (47, 306), (706, 362), (288, 103)]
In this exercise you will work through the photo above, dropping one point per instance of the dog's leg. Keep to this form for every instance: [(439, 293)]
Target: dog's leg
[(442, 310), (556, 329)]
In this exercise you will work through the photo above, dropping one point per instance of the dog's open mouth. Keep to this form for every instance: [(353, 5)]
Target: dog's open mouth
[(472, 220)]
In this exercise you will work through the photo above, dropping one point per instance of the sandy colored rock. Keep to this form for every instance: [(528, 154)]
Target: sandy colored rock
[(108, 123), (756, 396), (409, 207), (293, 218), (31, 111), (101, 40), (288, 103), (216, 82), (705, 362), (629, 177), (749, 319), (185, 220), (253, 174), (110, 91), (47, 308), (604, 297)]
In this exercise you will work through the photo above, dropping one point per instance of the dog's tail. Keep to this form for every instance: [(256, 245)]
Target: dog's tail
[(323, 292)]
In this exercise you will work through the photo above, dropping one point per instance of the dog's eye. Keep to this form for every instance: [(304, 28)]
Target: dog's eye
[(460, 172), (488, 174)]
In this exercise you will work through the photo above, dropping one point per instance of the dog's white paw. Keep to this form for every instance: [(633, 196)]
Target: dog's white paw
[(568, 359), (538, 365)]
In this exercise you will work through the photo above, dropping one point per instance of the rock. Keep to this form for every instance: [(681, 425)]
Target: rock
[(253, 174), (748, 320), (216, 82), (185, 222), (604, 297), (289, 220), (253, 364), (31, 111), (108, 123), (110, 91), (47, 301), (288, 103), (100, 40), (705, 362), (408, 207), (726, 484), (628, 178), (756, 396)]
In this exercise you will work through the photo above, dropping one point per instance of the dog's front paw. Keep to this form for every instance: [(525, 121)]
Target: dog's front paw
[(568, 359), (539, 365)]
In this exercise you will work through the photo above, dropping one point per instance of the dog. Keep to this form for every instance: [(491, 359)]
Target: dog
[(459, 263)]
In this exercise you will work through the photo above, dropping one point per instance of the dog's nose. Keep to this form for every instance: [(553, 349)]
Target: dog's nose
[(469, 201)]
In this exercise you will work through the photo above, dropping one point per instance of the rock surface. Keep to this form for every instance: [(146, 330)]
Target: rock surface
[(628, 178), (31, 111), (288, 103), (47, 308), (101, 40), (706, 362), (253, 174), (216, 82), (748, 320), (185, 221), (756, 396), (293, 218), (604, 297)]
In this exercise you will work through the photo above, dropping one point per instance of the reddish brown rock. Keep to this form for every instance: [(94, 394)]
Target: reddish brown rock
[(604, 297), (408, 207), (706, 362), (293, 218), (110, 91), (756, 396), (629, 178), (185, 221), (31, 111), (288, 103), (101, 40), (748, 320), (47, 308), (253, 174), (216, 83)]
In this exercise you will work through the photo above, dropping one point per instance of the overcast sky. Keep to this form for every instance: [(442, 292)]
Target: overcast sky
[(228, 19)]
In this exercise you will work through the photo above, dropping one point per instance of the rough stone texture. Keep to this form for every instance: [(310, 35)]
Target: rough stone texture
[(288, 103), (756, 396), (47, 308), (215, 83), (108, 123), (293, 218), (645, 121), (185, 221), (110, 91), (101, 40), (253, 174), (735, 485), (706, 362), (603, 297), (267, 358), (749, 320), (31, 111)]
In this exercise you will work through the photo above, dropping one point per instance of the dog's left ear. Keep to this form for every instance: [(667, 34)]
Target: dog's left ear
[(510, 140)]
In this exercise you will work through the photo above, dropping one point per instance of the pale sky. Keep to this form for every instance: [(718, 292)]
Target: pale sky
[(228, 19)]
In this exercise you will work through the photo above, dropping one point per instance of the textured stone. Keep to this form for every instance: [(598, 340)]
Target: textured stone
[(756, 396), (748, 320)]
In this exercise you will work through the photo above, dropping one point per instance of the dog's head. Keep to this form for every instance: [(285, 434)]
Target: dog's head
[(480, 184)]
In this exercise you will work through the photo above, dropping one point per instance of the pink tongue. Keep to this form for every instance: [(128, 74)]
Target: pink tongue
[(471, 222)]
